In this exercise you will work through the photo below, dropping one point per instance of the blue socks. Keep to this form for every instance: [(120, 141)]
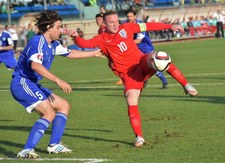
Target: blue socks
[(161, 77), (41, 125), (58, 126), (36, 133)]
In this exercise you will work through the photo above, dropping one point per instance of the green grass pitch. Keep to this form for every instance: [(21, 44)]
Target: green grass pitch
[(177, 128)]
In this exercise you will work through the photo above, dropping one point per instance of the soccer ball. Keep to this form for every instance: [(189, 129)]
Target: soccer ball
[(160, 61)]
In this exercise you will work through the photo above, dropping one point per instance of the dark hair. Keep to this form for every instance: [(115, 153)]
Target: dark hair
[(131, 11), (46, 20), (99, 15), (109, 13)]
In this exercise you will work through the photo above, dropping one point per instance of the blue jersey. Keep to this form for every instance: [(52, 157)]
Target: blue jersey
[(38, 50), (5, 40), (146, 44), (7, 56)]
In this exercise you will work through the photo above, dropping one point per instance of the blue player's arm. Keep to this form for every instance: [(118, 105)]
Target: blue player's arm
[(84, 54), (72, 54), (6, 47), (10, 44), (41, 70), (139, 37)]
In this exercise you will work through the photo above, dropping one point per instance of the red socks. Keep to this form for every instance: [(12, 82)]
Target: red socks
[(135, 120), (176, 74)]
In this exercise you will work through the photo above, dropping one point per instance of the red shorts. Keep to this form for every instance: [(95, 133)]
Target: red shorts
[(134, 79)]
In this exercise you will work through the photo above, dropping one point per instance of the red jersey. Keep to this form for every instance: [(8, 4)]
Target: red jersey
[(120, 47), (101, 29)]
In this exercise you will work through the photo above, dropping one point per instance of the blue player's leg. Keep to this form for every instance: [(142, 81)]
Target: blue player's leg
[(40, 126), (29, 95), (10, 63), (9, 60), (162, 78), (34, 98), (62, 108)]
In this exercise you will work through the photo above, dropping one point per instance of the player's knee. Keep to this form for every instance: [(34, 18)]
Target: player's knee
[(132, 97), (65, 107), (49, 114)]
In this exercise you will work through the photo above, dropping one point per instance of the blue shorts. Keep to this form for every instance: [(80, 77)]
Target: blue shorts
[(8, 59), (28, 93)]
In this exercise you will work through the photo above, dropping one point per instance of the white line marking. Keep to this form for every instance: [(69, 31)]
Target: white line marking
[(120, 86), (206, 74), (168, 76), (85, 160), (149, 86)]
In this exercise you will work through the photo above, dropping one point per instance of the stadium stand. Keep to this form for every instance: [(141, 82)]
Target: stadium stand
[(158, 14), (67, 10), (155, 13)]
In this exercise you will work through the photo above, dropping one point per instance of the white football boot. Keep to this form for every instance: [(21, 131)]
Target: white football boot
[(139, 141), (59, 148), (189, 89), (27, 154)]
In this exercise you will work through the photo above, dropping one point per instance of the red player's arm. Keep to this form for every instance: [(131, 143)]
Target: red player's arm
[(82, 43)]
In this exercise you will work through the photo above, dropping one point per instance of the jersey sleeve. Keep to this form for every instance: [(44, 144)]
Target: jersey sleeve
[(35, 55), (153, 26), (140, 36), (34, 50), (82, 43), (10, 41), (60, 50)]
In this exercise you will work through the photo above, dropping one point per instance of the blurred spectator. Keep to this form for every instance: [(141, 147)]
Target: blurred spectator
[(168, 33), (219, 15), (145, 18), (204, 25), (14, 35), (125, 5), (110, 6), (137, 2), (197, 26), (63, 37), (102, 9), (100, 23), (92, 2), (211, 22), (3, 9), (177, 33), (23, 39), (185, 26), (30, 32), (191, 26), (7, 29)]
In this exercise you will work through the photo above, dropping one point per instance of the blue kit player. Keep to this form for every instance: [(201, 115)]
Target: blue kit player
[(144, 43), (6, 49), (33, 65)]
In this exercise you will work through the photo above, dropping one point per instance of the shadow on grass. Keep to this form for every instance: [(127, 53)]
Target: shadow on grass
[(208, 99), (84, 82), (90, 88), (98, 139), (12, 154), (203, 99)]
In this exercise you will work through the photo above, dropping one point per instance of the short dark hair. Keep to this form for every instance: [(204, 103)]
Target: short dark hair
[(99, 15), (46, 20), (109, 13), (131, 11)]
